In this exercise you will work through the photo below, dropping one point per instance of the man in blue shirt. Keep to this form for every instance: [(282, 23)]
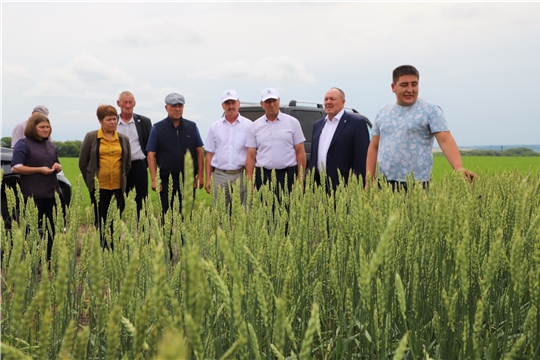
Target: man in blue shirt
[(403, 133), (169, 140)]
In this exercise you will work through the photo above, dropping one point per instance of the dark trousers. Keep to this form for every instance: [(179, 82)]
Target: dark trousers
[(176, 193), (317, 179), (45, 208), (263, 176), (100, 210), (401, 185), (137, 179)]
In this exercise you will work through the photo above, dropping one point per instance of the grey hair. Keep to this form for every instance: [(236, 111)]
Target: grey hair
[(339, 90), (126, 93)]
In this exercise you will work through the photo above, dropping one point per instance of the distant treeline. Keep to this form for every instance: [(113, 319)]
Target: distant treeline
[(70, 148), (510, 152)]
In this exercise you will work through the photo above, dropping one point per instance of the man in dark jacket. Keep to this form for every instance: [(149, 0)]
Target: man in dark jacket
[(169, 140), (137, 128), (340, 141)]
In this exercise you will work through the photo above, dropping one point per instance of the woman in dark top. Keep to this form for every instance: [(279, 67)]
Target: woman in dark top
[(35, 159)]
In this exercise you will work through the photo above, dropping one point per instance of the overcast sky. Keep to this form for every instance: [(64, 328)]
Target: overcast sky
[(478, 61)]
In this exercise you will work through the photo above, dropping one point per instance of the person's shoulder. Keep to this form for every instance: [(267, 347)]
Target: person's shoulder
[(388, 106), (160, 122), (89, 138), (286, 116), (243, 119), (355, 118), (427, 105), (92, 133), (188, 122), (21, 145), (217, 122), (319, 122), (141, 117)]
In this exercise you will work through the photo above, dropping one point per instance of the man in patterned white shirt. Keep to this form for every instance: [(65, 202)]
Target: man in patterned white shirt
[(403, 132), (226, 149)]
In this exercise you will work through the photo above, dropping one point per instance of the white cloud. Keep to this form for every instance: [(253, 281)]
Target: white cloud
[(275, 69), (464, 51), (160, 31), (90, 70), (84, 77), (14, 72)]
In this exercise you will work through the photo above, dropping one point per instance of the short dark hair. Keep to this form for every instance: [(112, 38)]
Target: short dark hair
[(105, 110), (33, 121), (404, 70)]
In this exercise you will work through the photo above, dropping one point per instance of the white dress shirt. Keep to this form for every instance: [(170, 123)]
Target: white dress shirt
[(275, 141), (328, 131), (130, 130), (228, 143)]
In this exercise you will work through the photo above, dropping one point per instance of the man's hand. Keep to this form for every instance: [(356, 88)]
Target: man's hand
[(467, 174), (198, 183), (154, 184)]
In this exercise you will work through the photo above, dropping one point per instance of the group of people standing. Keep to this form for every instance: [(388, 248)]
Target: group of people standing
[(119, 153)]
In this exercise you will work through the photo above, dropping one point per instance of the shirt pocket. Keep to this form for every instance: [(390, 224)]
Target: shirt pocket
[(240, 139)]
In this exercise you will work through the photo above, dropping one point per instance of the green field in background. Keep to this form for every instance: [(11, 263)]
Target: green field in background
[(71, 171), (481, 165)]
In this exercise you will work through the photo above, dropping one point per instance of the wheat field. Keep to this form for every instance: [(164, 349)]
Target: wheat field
[(448, 273)]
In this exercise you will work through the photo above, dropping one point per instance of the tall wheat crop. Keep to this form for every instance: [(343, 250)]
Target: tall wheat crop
[(448, 273)]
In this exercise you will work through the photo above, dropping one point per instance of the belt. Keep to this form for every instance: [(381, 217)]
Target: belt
[(290, 168), (231, 171), (138, 160)]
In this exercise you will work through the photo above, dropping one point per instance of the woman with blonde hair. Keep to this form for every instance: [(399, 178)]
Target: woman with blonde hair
[(105, 154)]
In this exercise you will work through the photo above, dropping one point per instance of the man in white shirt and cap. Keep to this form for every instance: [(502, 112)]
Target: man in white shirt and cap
[(226, 149), (275, 142)]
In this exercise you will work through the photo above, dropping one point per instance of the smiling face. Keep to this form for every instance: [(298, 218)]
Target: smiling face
[(406, 90), (43, 130), (175, 111), (108, 124)]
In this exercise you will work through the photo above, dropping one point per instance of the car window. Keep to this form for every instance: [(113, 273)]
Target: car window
[(307, 119), (252, 114)]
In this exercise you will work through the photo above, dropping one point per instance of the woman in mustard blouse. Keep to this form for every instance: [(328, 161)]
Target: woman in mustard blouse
[(105, 154)]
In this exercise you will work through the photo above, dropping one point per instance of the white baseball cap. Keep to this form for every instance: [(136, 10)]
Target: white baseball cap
[(269, 93), (229, 95)]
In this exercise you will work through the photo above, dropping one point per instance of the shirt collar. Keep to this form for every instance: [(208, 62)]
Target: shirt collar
[(120, 121), (279, 117), (171, 121), (100, 135), (237, 120), (336, 118)]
